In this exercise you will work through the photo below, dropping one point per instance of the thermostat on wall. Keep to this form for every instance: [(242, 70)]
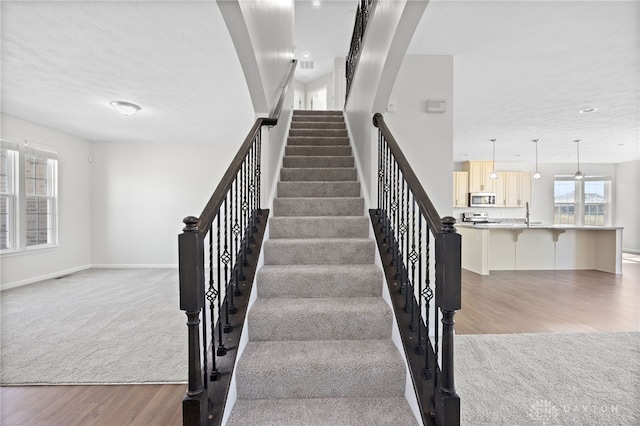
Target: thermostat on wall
[(436, 105)]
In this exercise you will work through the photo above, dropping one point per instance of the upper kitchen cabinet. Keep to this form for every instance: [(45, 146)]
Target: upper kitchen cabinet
[(479, 180), (460, 189), (517, 189)]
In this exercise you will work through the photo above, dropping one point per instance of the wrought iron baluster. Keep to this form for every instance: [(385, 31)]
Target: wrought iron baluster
[(413, 257), (226, 257), (258, 177), (232, 257), (420, 348), (211, 295), (236, 233), (402, 228), (222, 350), (387, 191), (428, 295), (380, 176)]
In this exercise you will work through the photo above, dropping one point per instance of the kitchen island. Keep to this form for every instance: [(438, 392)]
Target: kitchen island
[(516, 246)]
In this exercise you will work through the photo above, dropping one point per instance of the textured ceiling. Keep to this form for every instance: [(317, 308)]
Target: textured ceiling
[(523, 70)]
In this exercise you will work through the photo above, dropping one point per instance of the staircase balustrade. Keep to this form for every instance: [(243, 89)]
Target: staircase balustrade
[(425, 289), (218, 253), (364, 11)]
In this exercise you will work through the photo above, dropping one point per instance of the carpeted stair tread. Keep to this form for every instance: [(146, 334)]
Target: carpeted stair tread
[(319, 174), (320, 368), (319, 251), (319, 189), (318, 227), (300, 124), (318, 118), (319, 132), (307, 281), (328, 318), (317, 141), (309, 161), (356, 411), (318, 206), (308, 112), (336, 150)]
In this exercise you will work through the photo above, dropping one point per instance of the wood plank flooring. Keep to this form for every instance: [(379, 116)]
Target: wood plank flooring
[(503, 302)]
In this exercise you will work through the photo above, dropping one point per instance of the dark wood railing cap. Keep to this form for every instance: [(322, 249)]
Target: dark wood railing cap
[(192, 224), (448, 225), (375, 118)]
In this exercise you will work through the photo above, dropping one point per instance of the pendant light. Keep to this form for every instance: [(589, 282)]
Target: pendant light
[(537, 174), (578, 175), (493, 174)]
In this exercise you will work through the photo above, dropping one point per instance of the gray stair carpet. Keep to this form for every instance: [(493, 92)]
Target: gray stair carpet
[(320, 349)]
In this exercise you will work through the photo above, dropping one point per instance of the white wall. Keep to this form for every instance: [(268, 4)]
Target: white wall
[(262, 33), (74, 208), (425, 138), (387, 37), (324, 82), (142, 192), (627, 188)]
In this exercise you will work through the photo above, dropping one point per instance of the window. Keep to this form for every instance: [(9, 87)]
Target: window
[(28, 196), (583, 202)]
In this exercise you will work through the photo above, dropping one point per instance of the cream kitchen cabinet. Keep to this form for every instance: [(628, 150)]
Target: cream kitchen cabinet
[(517, 189), (479, 180), (460, 189)]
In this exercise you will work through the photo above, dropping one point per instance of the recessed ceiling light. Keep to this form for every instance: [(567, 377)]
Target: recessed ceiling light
[(125, 108), (306, 54), (316, 3), (588, 110), (620, 144)]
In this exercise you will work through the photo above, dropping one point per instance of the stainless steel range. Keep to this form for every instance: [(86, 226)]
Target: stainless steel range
[(475, 217)]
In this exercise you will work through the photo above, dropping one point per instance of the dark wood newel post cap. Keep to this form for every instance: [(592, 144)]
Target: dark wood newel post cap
[(192, 224), (375, 118), (448, 224)]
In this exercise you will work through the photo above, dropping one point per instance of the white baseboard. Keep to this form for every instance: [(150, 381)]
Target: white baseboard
[(134, 266), (632, 251), (44, 277)]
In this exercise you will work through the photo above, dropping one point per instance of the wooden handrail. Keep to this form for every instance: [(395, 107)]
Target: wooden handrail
[(422, 199), (211, 209)]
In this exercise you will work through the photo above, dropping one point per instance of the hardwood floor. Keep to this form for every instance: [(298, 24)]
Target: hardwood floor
[(503, 302)]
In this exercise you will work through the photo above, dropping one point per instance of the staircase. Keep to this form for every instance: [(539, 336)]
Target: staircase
[(320, 349)]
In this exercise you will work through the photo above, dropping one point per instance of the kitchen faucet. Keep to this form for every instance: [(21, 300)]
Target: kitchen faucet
[(526, 220)]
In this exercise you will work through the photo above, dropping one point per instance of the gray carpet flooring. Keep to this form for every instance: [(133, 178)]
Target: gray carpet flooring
[(549, 379), (94, 327)]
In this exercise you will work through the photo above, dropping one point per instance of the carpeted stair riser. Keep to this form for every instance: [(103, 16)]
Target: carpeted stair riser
[(318, 206), (319, 251), (317, 150), (319, 174), (307, 281), (318, 118), (318, 189), (317, 141), (341, 133), (323, 412), (337, 125), (306, 113), (318, 227), (320, 369), (321, 162), (339, 318)]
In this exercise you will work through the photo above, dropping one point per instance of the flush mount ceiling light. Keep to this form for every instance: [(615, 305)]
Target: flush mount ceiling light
[(316, 3), (306, 55), (125, 108), (537, 174), (587, 110), (578, 175), (493, 174)]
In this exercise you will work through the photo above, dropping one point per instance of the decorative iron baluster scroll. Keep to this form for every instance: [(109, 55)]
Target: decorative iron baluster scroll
[(364, 11), (428, 342)]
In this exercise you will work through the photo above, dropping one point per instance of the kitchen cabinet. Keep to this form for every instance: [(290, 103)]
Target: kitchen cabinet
[(501, 198), (517, 189), (460, 189), (479, 180)]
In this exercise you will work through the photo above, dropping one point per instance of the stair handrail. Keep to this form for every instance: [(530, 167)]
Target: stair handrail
[(433, 381), (234, 213)]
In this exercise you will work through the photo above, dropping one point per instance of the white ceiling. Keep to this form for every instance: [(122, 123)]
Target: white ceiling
[(523, 70)]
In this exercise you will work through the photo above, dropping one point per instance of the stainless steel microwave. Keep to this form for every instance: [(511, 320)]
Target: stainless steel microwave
[(482, 199)]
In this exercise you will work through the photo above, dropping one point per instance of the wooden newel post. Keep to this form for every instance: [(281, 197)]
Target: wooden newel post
[(191, 271), (448, 300)]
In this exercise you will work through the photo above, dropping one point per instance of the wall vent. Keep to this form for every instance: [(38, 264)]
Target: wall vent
[(306, 65)]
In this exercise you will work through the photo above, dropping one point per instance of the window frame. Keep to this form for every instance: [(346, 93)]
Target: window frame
[(18, 213), (580, 200), (11, 194)]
